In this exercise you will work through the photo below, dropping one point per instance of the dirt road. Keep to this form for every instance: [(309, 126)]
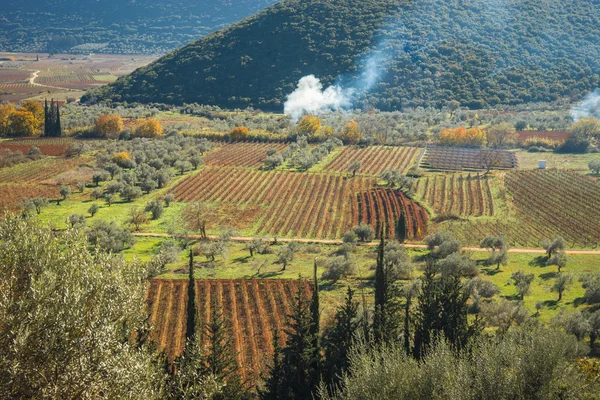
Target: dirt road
[(337, 242)]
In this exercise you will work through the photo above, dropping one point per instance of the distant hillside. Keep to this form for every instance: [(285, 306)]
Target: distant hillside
[(479, 52), (113, 26)]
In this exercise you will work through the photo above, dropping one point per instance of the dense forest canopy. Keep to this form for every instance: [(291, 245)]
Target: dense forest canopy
[(478, 52), (111, 26)]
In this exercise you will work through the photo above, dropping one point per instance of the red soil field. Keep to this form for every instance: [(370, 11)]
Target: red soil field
[(12, 194), (554, 135), (379, 205), (255, 308), (241, 154)]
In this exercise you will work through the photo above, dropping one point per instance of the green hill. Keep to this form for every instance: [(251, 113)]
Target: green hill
[(479, 52)]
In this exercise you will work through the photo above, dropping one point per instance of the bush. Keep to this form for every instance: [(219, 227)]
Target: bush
[(239, 133), (338, 267), (109, 237)]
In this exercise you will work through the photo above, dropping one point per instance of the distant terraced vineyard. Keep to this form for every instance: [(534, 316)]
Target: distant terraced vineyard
[(455, 194), (555, 202), (241, 154), (255, 309), (40, 170), (309, 205), (375, 159), (465, 159)]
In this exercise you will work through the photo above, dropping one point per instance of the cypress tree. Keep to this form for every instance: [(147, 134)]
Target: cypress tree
[(401, 230), (299, 373), (339, 338), (273, 383), (380, 289), (190, 330), (52, 119), (46, 118), (314, 306), (58, 128)]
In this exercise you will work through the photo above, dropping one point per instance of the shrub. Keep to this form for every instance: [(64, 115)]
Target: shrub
[(148, 128)]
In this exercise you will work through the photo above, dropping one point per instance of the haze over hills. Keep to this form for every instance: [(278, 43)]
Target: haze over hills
[(112, 26), (389, 54)]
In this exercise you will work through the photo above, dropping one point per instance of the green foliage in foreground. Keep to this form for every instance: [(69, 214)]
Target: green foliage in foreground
[(66, 318), (526, 363), (478, 53)]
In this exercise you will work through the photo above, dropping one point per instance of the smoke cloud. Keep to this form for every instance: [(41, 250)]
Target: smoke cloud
[(309, 97), (589, 107)]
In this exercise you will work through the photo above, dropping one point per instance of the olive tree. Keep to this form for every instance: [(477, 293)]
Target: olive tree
[(62, 317)]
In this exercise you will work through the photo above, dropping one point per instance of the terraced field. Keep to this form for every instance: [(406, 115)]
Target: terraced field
[(241, 154)]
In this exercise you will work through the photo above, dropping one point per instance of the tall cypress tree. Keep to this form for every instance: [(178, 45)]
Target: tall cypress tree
[(58, 128), (46, 118), (190, 330), (314, 306), (380, 289), (339, 339)]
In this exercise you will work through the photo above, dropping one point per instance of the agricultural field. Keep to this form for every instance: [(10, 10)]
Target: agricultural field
[(48, 146), (249, 155), (40, 170), (37, 76), (442, 158), (12, 194), (457, 194), (375, 159), (403, 217), (522, 136), (557, 202), (256, 308)]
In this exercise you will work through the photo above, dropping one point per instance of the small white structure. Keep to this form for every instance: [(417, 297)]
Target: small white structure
[(542, 164)]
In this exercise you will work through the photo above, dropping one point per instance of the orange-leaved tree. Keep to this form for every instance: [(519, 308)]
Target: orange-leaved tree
[(5, 112), (309, 125), (462, 137), (351, 133), (22, 123), (36, 109), (148, 128), (239, 133), (109, 125)]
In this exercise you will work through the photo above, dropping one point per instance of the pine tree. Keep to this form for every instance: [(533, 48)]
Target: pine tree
[(339, 338), (272, 387), (380, 290), (190, 330)]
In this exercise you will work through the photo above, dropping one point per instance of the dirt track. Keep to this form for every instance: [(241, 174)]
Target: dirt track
[(328, 241)]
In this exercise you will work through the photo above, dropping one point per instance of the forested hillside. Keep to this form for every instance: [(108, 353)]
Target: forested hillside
[(112, 26), (477, 52)]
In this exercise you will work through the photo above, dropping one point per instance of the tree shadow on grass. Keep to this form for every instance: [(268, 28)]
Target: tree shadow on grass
[(549, 275), (491, 271), (550, 304), (539, 261), (270, 274), (243, 260)]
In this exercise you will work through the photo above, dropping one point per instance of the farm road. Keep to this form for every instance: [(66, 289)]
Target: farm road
[(33, 82), (375, 243)]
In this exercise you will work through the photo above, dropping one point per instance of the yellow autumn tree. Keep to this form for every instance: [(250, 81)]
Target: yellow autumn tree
[(36, 109), (22, 123), (5, 112), (239, 133), (309, 125), (462, 136), (351, 133), (109, 125), (148, 128)]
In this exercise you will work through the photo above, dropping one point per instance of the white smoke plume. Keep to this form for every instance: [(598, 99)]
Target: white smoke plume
[(589, 107), (309, 97)]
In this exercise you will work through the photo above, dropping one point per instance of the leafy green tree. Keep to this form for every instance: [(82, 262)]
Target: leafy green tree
[(93, 209), (498, 250), (563, 281), (591, 284), (441, 244), (109, 237), (525, 363), (256, 245), (553, 246), (76, 220), (594, 166), (45, 331), (65, 193), (559, 258), (364, 232), (155, 208), (168, 199), (522, 282), (353, 167)]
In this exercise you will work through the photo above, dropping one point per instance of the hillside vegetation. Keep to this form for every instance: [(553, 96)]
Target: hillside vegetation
[(479, 53), (110, 26)]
